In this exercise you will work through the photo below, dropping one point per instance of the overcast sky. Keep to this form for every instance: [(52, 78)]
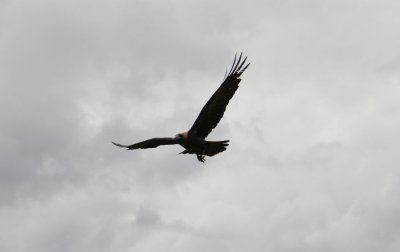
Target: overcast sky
[(313, 163)]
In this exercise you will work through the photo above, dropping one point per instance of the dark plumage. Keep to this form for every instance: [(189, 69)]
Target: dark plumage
[(194, 140)]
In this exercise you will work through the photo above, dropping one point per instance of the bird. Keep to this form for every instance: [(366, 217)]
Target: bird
[(194, 140)]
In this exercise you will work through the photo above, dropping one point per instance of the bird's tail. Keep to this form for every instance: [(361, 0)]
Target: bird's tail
[(215, 147)]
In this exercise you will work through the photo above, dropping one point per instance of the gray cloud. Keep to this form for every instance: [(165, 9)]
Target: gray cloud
[(312, 164)]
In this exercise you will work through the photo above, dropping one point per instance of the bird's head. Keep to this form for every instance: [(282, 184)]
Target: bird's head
[(179, 137)]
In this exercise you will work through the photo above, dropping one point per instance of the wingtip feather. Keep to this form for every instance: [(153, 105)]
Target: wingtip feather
[(237, 64), (119, 145), (234, 61), (242, 71)]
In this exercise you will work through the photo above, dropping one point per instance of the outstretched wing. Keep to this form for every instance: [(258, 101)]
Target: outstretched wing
[(214, 109), (151, 143)]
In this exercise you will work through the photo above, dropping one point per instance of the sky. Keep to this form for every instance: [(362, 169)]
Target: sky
[(313, 162)]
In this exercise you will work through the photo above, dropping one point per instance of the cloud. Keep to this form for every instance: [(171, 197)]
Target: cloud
[(312, 164)]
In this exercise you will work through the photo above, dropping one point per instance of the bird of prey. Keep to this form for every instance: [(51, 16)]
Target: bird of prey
[(194, 140)]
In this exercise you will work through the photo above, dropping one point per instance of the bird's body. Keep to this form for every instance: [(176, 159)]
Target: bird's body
[(191, 142), (194, 140)]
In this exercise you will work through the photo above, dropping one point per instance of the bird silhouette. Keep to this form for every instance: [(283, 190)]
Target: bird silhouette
[(194, 141)]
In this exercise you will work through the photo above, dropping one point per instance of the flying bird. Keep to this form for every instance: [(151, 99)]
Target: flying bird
[(194, 141)]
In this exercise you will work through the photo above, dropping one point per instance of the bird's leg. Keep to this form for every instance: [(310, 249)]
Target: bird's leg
[(200, 157)]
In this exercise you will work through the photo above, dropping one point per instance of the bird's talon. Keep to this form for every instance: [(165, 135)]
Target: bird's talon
[(201, 158)]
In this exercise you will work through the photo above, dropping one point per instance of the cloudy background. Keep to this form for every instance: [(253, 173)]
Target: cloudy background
[(313, 163)]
